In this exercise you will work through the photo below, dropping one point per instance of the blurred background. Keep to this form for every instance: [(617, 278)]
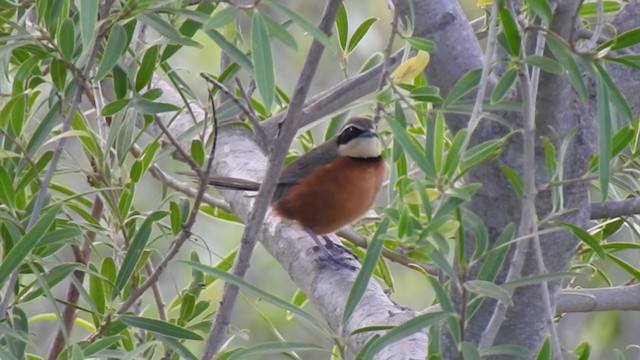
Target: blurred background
[(254, 321)]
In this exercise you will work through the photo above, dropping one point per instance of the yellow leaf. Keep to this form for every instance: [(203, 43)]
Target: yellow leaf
[(449, 228), (411, 68), (413, 197), (481, 3)]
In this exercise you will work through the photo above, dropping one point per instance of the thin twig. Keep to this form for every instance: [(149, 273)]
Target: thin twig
[(183, 153), (157, 293), (280, 148)]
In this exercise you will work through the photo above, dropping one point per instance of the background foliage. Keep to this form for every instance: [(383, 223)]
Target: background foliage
[(89, 212)]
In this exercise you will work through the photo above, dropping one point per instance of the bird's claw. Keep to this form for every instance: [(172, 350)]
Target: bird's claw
[(337, 257)]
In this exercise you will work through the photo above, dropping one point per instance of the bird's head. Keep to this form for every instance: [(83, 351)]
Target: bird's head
[(358, 139)]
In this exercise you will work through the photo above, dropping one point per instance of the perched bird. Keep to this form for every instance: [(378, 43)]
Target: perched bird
[(329, 187)]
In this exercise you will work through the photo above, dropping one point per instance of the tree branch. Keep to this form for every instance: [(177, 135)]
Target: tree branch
[(618, 298), (615, 208)]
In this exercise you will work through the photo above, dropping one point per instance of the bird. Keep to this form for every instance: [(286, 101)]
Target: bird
[(329, 187)]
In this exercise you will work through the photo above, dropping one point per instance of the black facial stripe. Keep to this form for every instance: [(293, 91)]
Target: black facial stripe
[(348, 134)]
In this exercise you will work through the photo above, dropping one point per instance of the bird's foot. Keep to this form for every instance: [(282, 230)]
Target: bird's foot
[(336, 257), (330, 244)]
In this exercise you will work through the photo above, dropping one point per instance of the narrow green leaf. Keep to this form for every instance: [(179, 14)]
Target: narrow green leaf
[(116, 45), (147, 68), (281, 33), (342, 27), (236, 54), (51, 278), (115, 107), (161, 327), (545, 351), (197, 152), (454, 154), (360, 32), (166, 29), (626, 39), (100, 345), (7, 192), (504, 85), (565, 57), (88, 15), (542, 9), (418, 155), (506, 350), (469, 351), (67, 38), (514, 178), (604, 136), (630, 269), (262, 60), (252, 289), (272, 348), (616, 98), (58, 74), (421, 44), (364, 275), (145, 106), (488, 289), (537, 279), (545, 63), (585, 237), (408, 328), (24, 246), (221, 18), (305, 24), (608, 7), (510, 31), (463, 86), (135, 250)]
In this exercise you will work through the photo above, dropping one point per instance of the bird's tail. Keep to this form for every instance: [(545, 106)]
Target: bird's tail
[(229, 183)]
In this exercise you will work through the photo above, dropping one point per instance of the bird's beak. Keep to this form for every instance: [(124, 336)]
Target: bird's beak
[(368, 133)]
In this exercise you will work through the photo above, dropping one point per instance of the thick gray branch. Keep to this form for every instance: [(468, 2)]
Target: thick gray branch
[(615, 208), (619, 298)]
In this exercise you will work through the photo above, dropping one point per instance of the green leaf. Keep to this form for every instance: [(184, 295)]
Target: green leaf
[(364, 275), (514, 178), (626, 39), (616, 98), (421, 44), (608, 7), (100, 345), (488, 289), (88, 14), (463, 86), (144, 106), (252, 289), (545, 351), (280, 32), (166, 29), (585, 237), (159, 326), (262, 60), (504, 85), (360, 32), (58, 74), (510, 31), (272, 348), (221, 18), (630, 269), (542, 9), (115, 107), (604, 136), (51, 278), (545, 63), (342, 27), (305, 24), (7, 192), (401, 331), (537, 279), (234, 53), (67, 39), (418, 155), (116, 45), (135, 250), (24, 246), (147, 67), (469, 351), (197, 152), (453, 155), (506, 350), (565, 57)]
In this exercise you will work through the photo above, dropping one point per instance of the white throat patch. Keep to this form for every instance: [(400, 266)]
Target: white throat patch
[(361, 147)]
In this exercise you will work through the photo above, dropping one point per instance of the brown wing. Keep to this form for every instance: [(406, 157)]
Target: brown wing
[(301, 167)]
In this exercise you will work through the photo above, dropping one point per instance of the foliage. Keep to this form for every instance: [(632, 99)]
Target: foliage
[(75, 50)]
